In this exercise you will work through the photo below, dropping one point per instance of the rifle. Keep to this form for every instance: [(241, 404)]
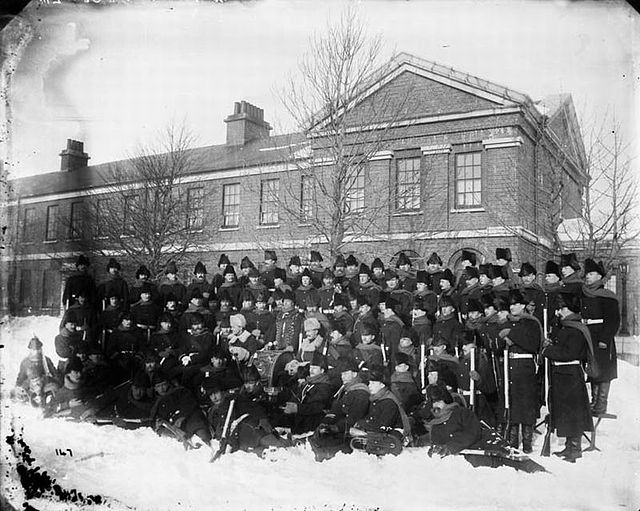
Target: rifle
[(384, 350), (546, 445), (423, 369), (507, 411), (472, 382), (224, 438)]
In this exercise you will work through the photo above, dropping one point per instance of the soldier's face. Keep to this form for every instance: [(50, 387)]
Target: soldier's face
[(489, 311), (592, 277), (472, 282), (217, 362), (552, 278), (229, 277), (347, 376), (171, 276), (404, 267), (447, 310), (311, 333), (432, 377), (162, 387), (377, 271), (306, 280), (216, 398), (528, 279), (437, 407), (315, 370), (566, 271), (433, 267), (200, 276), (71, 326), (113, 301), (497, 281), (126, 323), (138, 392), (484, 280), (364, 278), (287, 304), (75, 376), (516, 308), (367, 338), (475, 314), (445, 284), (254, 280), (261, 305), (294, 268), (375, 386), (145, 297), (392, 283), (82, 299), (466, 348)]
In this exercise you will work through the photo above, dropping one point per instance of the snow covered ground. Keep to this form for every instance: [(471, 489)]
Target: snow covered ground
[(144, 472)]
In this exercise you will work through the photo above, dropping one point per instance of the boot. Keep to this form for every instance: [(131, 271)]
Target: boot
[(514, 435), (594, 394), (574, 445), (527, 438), (602, 398), (565, 451)]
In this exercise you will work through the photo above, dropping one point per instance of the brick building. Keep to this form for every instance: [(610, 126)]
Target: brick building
[(469, 166)]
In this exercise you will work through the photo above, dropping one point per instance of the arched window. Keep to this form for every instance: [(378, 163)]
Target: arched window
[(455, 260), (417, 262)]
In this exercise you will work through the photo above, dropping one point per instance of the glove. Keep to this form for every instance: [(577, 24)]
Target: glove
[(504, 332), (602, 345), (475, 375)]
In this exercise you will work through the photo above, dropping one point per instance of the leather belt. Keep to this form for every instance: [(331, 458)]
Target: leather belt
[(593, 321), (570, 363), (146, 327), (520, 355)]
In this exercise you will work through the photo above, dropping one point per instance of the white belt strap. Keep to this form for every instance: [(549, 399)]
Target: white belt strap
[(570, 363), (520, 355), (593, 321)]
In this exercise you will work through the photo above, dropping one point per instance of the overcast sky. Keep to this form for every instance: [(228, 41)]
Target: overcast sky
[(113, 75)]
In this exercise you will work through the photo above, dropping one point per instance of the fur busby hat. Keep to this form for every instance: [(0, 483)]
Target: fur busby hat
[(390, 274), (159, 377), (70, 317), (503, 253), (224, 296), (141, 379), (439, 340), (434, 258), (364, 270), (340, 299), (200, 268), (82, 261), (402, 259), (552, 268), (270, 254), (344, 364), (229, 269), (475, 305), (306, 273), (312, 300), (295, 261), (469, 337), (245, 262), (469, 256), (75, 364), (501, 303), (170, 298), (328, 274), (375, 373), (368, 329), (485, 269), (247, 296), (251, 374), (142, 270), (487, 300), (590, 265), (448, 275), (516, 296), (363, 300), (472, 272), (113, 264), (569, 260), (377, 263), (569, 300), (223, 260), (315, 257), (390, 302), (351, 260), (35, 343), (212, 386), (439, 393), (402, 358), (318, 359), (497, 271), (432, 366), (165, 317), (339, 261), (146, 288), (262, 297), (196, 318), (280, 273), (422, 276), (311, 324), (527, 269), (288, 295), (253, 272), (446, 301), (171, 268)]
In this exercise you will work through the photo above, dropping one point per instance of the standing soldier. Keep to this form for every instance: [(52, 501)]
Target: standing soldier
[(405, 274), (503, 259), (601, 314), (293, 273), (552, 289), (501, 286), (377, 273), (446, 288), (316, 268), (288, 325), (230, 287), (402, 296), (471, 290), (532, 291), (218, 278), (142, 279), (78, 281), (392, 328), (326, 292), (339, 269), (570, 270), (523, 335), (367, 287), (269, 268), (468, 259), (484, 279), (200, 282), (567, 351), (172, 286), (245, 267), (434, 271), (114, 283)]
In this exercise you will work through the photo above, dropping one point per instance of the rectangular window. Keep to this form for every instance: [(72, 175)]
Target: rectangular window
[(29, 225), (131, 203), (468, 180), (25, 288), (50, 289), (355, 191), (231, 205), (269, 192), (52, 223), (408, 184), (195, 212), (75, 223), (102, 217), (307, 186)]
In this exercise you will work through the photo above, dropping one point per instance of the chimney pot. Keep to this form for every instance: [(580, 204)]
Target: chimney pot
[(73, 157), (246, 124)]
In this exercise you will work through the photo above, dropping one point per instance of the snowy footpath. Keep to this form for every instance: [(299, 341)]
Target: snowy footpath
[(138, 470)]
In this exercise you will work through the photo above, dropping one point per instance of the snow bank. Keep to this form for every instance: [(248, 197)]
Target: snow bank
[(146, 472)]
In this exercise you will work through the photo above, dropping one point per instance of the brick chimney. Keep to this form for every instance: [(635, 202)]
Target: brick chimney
[(73, 157), (245, 124)]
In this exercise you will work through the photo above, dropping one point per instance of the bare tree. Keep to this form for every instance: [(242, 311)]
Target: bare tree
[(345, 132), (149, 212)]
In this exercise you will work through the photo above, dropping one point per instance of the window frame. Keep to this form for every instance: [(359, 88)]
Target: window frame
[(269, 208), (307, 198), (51, 232), (28, 225), (411, 196), (195, 208), (475, 181), (235, 205), (356, 193)]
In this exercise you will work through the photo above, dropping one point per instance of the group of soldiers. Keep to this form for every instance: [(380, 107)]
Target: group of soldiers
[(347, 355)]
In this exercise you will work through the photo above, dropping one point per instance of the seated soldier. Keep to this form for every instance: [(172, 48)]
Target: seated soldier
[(341, 315), (453, 427), (339, 347), (97, 371), (312, 342), (240, 337), (168, 361), (368, 353), (265, 327), (145, 312), (312, 311), (403, 385), (221, 369), (449, 366), (71, 396), (196, 305), (124, 350), (109, 318), (177, 413), (165, 331), (68, 342), (82, 312), (198, 344), (36, 364), (350, 404), (247, 309), (305, 413), (448, 327)]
